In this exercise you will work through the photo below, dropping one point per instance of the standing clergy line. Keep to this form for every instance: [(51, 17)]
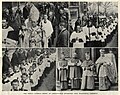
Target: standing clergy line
[(77, 75), (27, 75)]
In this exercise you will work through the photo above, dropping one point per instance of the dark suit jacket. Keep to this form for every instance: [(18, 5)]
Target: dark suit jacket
[(63, 39), (26, 12), (15, 59), (6, 63), (21, 57)]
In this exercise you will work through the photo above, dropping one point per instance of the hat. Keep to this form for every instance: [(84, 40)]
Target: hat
[(34, 14)]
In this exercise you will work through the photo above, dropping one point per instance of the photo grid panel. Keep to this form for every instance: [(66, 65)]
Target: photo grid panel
[(87, 69), (35, 24), (93, 24), (28, 69)]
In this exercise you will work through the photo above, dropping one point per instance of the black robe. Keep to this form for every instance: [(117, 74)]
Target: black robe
[(6, 64), (26, 12)]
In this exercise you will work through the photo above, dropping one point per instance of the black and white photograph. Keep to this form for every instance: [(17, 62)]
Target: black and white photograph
[(87, 69), (59, 24), (93, 24), (59, 46), (35, 24), (28, 69)]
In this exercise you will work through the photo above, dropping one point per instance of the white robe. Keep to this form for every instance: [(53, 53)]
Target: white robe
[(9, 42), (105, 69), (26, 86), (5, 32), (78, 36), (113, 65), (47, 27), (93, 30)]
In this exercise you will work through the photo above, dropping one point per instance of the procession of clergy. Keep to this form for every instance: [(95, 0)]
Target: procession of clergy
[(24, 70), (75, 74), (94, 32), (53, 28)]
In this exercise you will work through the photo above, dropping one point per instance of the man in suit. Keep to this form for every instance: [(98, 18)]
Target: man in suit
[(6, 62), (21, 55), (15, 58), (78, 22), (26, 11), (63, 37)]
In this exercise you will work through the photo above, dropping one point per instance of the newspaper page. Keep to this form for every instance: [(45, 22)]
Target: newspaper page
[(59, 47)]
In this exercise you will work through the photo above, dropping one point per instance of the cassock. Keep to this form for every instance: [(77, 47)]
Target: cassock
[(75, 73), (47, 27), (86, 32), (87, 76), (63, 74), (63, 78)]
